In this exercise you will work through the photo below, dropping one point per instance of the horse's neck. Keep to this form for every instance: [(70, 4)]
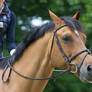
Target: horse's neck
[(34, 63)]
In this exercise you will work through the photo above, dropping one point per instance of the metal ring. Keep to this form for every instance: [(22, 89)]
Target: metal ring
[(75, 68)]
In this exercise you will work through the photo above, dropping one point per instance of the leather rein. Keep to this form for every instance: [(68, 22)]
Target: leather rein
[(66, 58)]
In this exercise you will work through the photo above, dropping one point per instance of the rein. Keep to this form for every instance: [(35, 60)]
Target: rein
[(27, 77), (62, 72)]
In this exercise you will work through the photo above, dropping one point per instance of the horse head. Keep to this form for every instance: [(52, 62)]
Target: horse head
[(69, 50)]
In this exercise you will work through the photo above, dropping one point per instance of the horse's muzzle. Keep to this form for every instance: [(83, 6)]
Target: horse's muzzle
[(86, 75)]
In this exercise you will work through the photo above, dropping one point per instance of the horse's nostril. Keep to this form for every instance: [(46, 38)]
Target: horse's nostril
[(89, 68)]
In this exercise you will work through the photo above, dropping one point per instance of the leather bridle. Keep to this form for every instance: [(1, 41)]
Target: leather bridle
[(66, 58)]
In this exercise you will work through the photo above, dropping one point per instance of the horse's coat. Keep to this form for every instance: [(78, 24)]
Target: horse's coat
[(32, 57)]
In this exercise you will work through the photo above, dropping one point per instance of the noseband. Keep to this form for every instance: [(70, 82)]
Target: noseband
[(66, 58)]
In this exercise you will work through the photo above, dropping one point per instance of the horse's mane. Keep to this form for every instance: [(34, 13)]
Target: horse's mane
[(36, 33)]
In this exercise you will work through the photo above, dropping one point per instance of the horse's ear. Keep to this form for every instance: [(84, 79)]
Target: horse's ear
[(77, 15), (57, 21)]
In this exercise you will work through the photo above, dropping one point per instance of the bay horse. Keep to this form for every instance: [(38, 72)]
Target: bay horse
[(58, 44)]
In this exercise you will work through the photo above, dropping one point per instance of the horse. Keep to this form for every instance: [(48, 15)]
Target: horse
[(58, 44)]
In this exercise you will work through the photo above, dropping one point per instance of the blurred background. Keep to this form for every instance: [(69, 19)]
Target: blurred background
[(34, 13)]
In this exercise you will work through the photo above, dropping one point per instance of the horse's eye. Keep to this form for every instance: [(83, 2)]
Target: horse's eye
[(67, 38)]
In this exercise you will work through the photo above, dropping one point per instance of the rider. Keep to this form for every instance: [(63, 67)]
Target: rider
[(7, 27)]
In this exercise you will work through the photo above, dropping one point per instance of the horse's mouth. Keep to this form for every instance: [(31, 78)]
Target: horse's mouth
[(85, 77)]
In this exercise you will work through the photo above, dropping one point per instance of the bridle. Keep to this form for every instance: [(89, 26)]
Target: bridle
[(66, 58)]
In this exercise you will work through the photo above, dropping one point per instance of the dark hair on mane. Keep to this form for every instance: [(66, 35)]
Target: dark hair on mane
[(39, 32), (73, 23), (36, 33)]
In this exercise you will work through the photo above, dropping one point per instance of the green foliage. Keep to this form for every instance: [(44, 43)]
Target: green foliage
[(29, 8), (68, 83)]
